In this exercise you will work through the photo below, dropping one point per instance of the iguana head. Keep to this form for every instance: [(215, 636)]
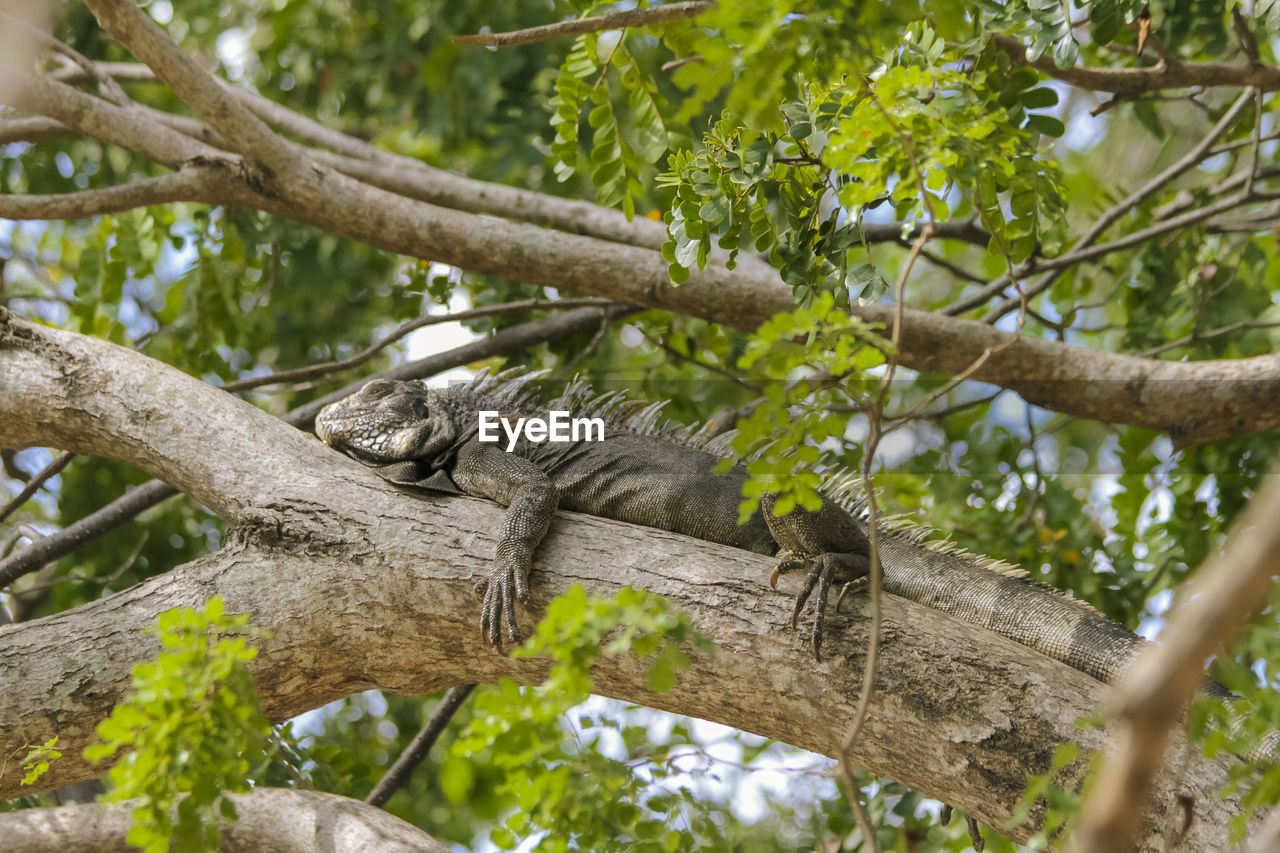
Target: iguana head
[(386, 421)]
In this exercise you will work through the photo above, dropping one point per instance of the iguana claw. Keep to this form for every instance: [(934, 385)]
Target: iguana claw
[(820, 572)]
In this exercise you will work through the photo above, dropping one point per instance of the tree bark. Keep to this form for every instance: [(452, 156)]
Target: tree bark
[(270, 819), (363, 586)]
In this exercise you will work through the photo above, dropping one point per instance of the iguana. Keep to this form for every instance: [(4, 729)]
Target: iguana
[(659, 475)]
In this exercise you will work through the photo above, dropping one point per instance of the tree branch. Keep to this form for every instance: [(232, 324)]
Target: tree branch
[(1138, 81), (206, 184), (1218, 602), (342, 568), (509, 341), (1178, 398), (277, 161), (611, 21), (128, 128), (276, 819), (420, 746)]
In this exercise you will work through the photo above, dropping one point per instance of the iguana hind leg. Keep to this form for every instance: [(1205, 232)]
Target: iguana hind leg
[(828, 545)]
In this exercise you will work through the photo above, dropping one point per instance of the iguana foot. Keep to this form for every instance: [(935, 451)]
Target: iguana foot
[(820, 571), (500, 590)]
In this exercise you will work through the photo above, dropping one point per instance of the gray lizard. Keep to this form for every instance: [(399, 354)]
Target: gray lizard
[(658, 475)]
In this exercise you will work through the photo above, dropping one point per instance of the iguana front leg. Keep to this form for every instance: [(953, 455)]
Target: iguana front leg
[(486, 471), (828, 545)]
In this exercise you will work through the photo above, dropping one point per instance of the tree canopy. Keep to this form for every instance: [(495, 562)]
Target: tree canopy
[(1011, 261)]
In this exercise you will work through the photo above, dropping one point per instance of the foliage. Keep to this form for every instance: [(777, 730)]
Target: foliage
[(786, 434), (36, 762), (782, 130), (520, 732), (1060, 805), (911, 133), (192, 729)]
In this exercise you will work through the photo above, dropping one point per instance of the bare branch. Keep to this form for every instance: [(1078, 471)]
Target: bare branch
[(611, 21), (33, 485), (316, 371), (108, 86), (277, 161), (130, 129), (209, 184), (395, 778), (1135, 81), (1217, 603)]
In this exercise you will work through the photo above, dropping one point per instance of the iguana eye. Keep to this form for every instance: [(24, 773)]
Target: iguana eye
[(378, 388)]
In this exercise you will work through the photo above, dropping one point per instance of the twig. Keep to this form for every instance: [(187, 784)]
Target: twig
[(900, 421), (1257, 129), (33, 485), (315, 371), (610, 21), (1149, 702), (1196, 337), (591, 344), (944, 264), (1105, 221), (876, 571), (714, 368), (22, 530), (421, 744)]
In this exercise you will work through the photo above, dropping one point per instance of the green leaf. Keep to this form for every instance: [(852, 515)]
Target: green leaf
[(1048, 125)]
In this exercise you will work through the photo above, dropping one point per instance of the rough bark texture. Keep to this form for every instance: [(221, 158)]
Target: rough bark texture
[(271, 820), (366, 587)]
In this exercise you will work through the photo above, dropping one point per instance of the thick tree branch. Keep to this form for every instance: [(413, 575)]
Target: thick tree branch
[(363, 586), (611, 21), (1138, 81), (275, 819)]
